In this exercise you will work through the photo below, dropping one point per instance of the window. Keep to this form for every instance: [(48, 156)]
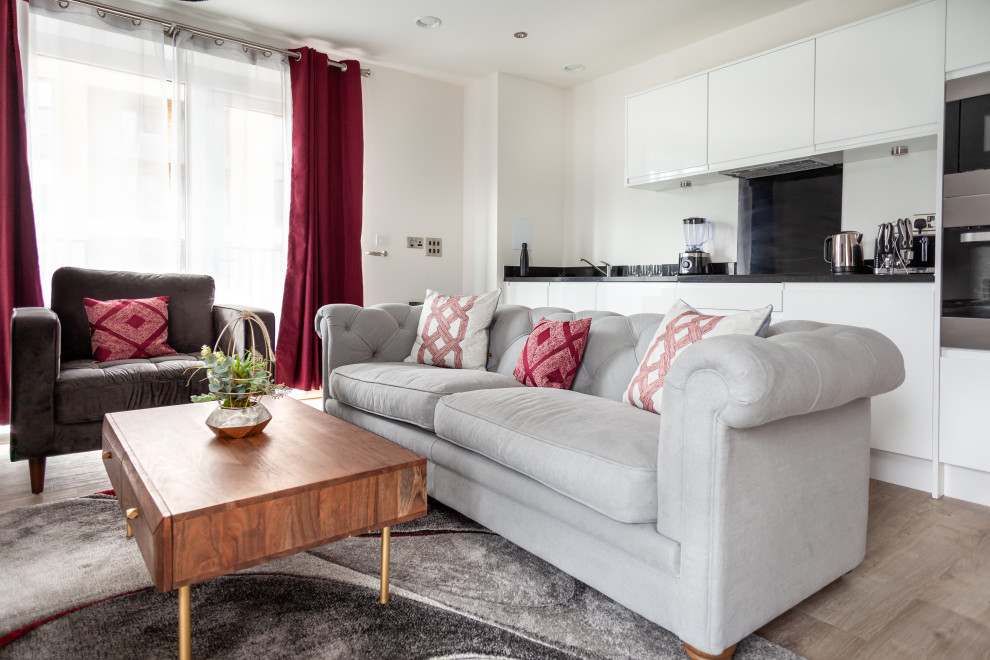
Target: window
[(156, 156)]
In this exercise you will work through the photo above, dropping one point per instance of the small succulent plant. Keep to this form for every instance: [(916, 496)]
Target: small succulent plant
[(235, 381)]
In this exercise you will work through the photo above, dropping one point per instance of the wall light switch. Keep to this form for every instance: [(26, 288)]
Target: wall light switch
[(434, 247), (414, 242)]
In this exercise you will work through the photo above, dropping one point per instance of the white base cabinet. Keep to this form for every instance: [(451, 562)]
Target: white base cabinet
[(629, 298), (527, 294), (575, 296), (964, 396), (902, 420)]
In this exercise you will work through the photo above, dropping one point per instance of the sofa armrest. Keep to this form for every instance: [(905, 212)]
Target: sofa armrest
[(763, 470), (35, 350), (239, 337), (352, 334), (791, 373)]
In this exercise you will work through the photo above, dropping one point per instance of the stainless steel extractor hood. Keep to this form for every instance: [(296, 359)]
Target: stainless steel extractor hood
[(780, 167)]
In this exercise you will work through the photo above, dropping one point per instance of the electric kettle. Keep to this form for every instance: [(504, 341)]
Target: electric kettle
[(844, 252)]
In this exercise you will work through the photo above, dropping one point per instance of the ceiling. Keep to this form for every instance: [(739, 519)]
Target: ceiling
[(476, 37)]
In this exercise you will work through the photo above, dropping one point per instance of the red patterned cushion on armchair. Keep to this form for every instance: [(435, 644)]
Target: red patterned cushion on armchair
[(128, 329), (552, 353)]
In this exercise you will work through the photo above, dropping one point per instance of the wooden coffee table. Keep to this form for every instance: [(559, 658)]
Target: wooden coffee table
[(200, 507)]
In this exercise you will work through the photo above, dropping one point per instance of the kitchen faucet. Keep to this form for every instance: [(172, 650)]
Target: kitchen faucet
[(607, 272)]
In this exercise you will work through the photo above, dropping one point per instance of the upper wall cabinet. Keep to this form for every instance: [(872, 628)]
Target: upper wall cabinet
[(763, 105), (967, 34), (667, 130), (879, 77)]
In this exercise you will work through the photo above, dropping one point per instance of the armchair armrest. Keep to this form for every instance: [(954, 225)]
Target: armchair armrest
[(351, 334), (35, 350), (240, 336)]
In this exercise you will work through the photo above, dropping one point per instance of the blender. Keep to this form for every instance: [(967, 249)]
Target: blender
[(694, 261)]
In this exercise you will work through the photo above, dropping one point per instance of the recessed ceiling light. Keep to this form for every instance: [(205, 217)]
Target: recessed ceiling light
[(428, 22), (574, 68), (521, 35)]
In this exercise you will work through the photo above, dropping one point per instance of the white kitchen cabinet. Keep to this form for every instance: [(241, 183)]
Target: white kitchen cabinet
[(964, 394), (635, 297), (879, 77), (730, 297), (763, 105), (967, 34), (901, 420), (575, 296), (527, 294), (667, 130)]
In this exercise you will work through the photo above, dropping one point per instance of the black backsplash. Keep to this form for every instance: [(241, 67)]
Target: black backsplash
[(784, 220)]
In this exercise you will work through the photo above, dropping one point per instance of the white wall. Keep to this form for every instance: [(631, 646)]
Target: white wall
[(481, 185), (607, 221), (530, 169), (413, 184), (885, 189)]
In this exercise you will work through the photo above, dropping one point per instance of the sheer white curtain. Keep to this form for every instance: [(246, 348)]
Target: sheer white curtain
[(157, 154), (98, 116), (232, 146)]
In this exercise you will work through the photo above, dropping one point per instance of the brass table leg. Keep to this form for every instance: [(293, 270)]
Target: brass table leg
[(185, 635), (129, 532), (386, 538)]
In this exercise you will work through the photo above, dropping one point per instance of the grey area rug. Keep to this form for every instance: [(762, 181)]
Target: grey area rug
[(74, 587)]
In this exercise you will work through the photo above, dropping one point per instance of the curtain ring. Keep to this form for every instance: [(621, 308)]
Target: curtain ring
[(218, 42), (64, 4), (343, 68), (99, 12), (266, 53), (136, 21), (245, 48)]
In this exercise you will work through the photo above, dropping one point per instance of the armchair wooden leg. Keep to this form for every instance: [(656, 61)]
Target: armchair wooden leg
[(37, 468), (695, 654)]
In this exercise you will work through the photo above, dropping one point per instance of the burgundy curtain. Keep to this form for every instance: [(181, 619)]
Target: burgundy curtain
[(20, 282), (324, 264)]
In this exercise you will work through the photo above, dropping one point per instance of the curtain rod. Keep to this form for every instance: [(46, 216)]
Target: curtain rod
[(171, 26)]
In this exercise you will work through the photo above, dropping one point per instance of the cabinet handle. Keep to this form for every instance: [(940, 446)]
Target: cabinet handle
[(106, 455), (132, 514)]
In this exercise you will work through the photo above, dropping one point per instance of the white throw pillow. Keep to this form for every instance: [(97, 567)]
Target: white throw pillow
[(453, 330), (682, 326)]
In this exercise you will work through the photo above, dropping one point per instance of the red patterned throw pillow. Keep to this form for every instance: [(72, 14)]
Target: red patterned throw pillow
[(682, 326), (127, 329), (552, 353), (453, 330)]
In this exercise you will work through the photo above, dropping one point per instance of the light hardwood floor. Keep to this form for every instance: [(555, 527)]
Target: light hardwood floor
[(923, 590)]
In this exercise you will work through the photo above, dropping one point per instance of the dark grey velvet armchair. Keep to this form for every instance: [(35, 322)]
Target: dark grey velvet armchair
[(59, 394)]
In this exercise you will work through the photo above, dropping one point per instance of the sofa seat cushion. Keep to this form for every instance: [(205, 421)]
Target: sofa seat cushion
[(599, 452), (87, 390), (407, 392)]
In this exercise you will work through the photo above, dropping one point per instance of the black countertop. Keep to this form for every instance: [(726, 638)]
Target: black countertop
[(738, 279)]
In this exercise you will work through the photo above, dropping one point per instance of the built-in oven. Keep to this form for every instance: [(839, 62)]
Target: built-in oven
[(966, 214), (967, 136)]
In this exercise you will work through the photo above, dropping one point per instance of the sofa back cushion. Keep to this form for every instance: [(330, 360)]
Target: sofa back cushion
[(190, 307), (616, 345)]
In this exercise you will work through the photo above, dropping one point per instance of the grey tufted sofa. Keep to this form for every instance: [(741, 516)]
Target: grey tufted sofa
[(746, 495)]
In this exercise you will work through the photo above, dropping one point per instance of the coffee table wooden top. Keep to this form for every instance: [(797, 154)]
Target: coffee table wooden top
[(308, 479)]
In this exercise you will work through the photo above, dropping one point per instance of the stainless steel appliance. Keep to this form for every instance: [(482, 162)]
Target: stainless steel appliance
[(894, 247), (694, 260), (966, 214), (844, 252), (922, 258), (967, 136)]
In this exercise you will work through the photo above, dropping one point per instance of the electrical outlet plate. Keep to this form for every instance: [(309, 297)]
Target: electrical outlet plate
[(414, 242), (434, 247)]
